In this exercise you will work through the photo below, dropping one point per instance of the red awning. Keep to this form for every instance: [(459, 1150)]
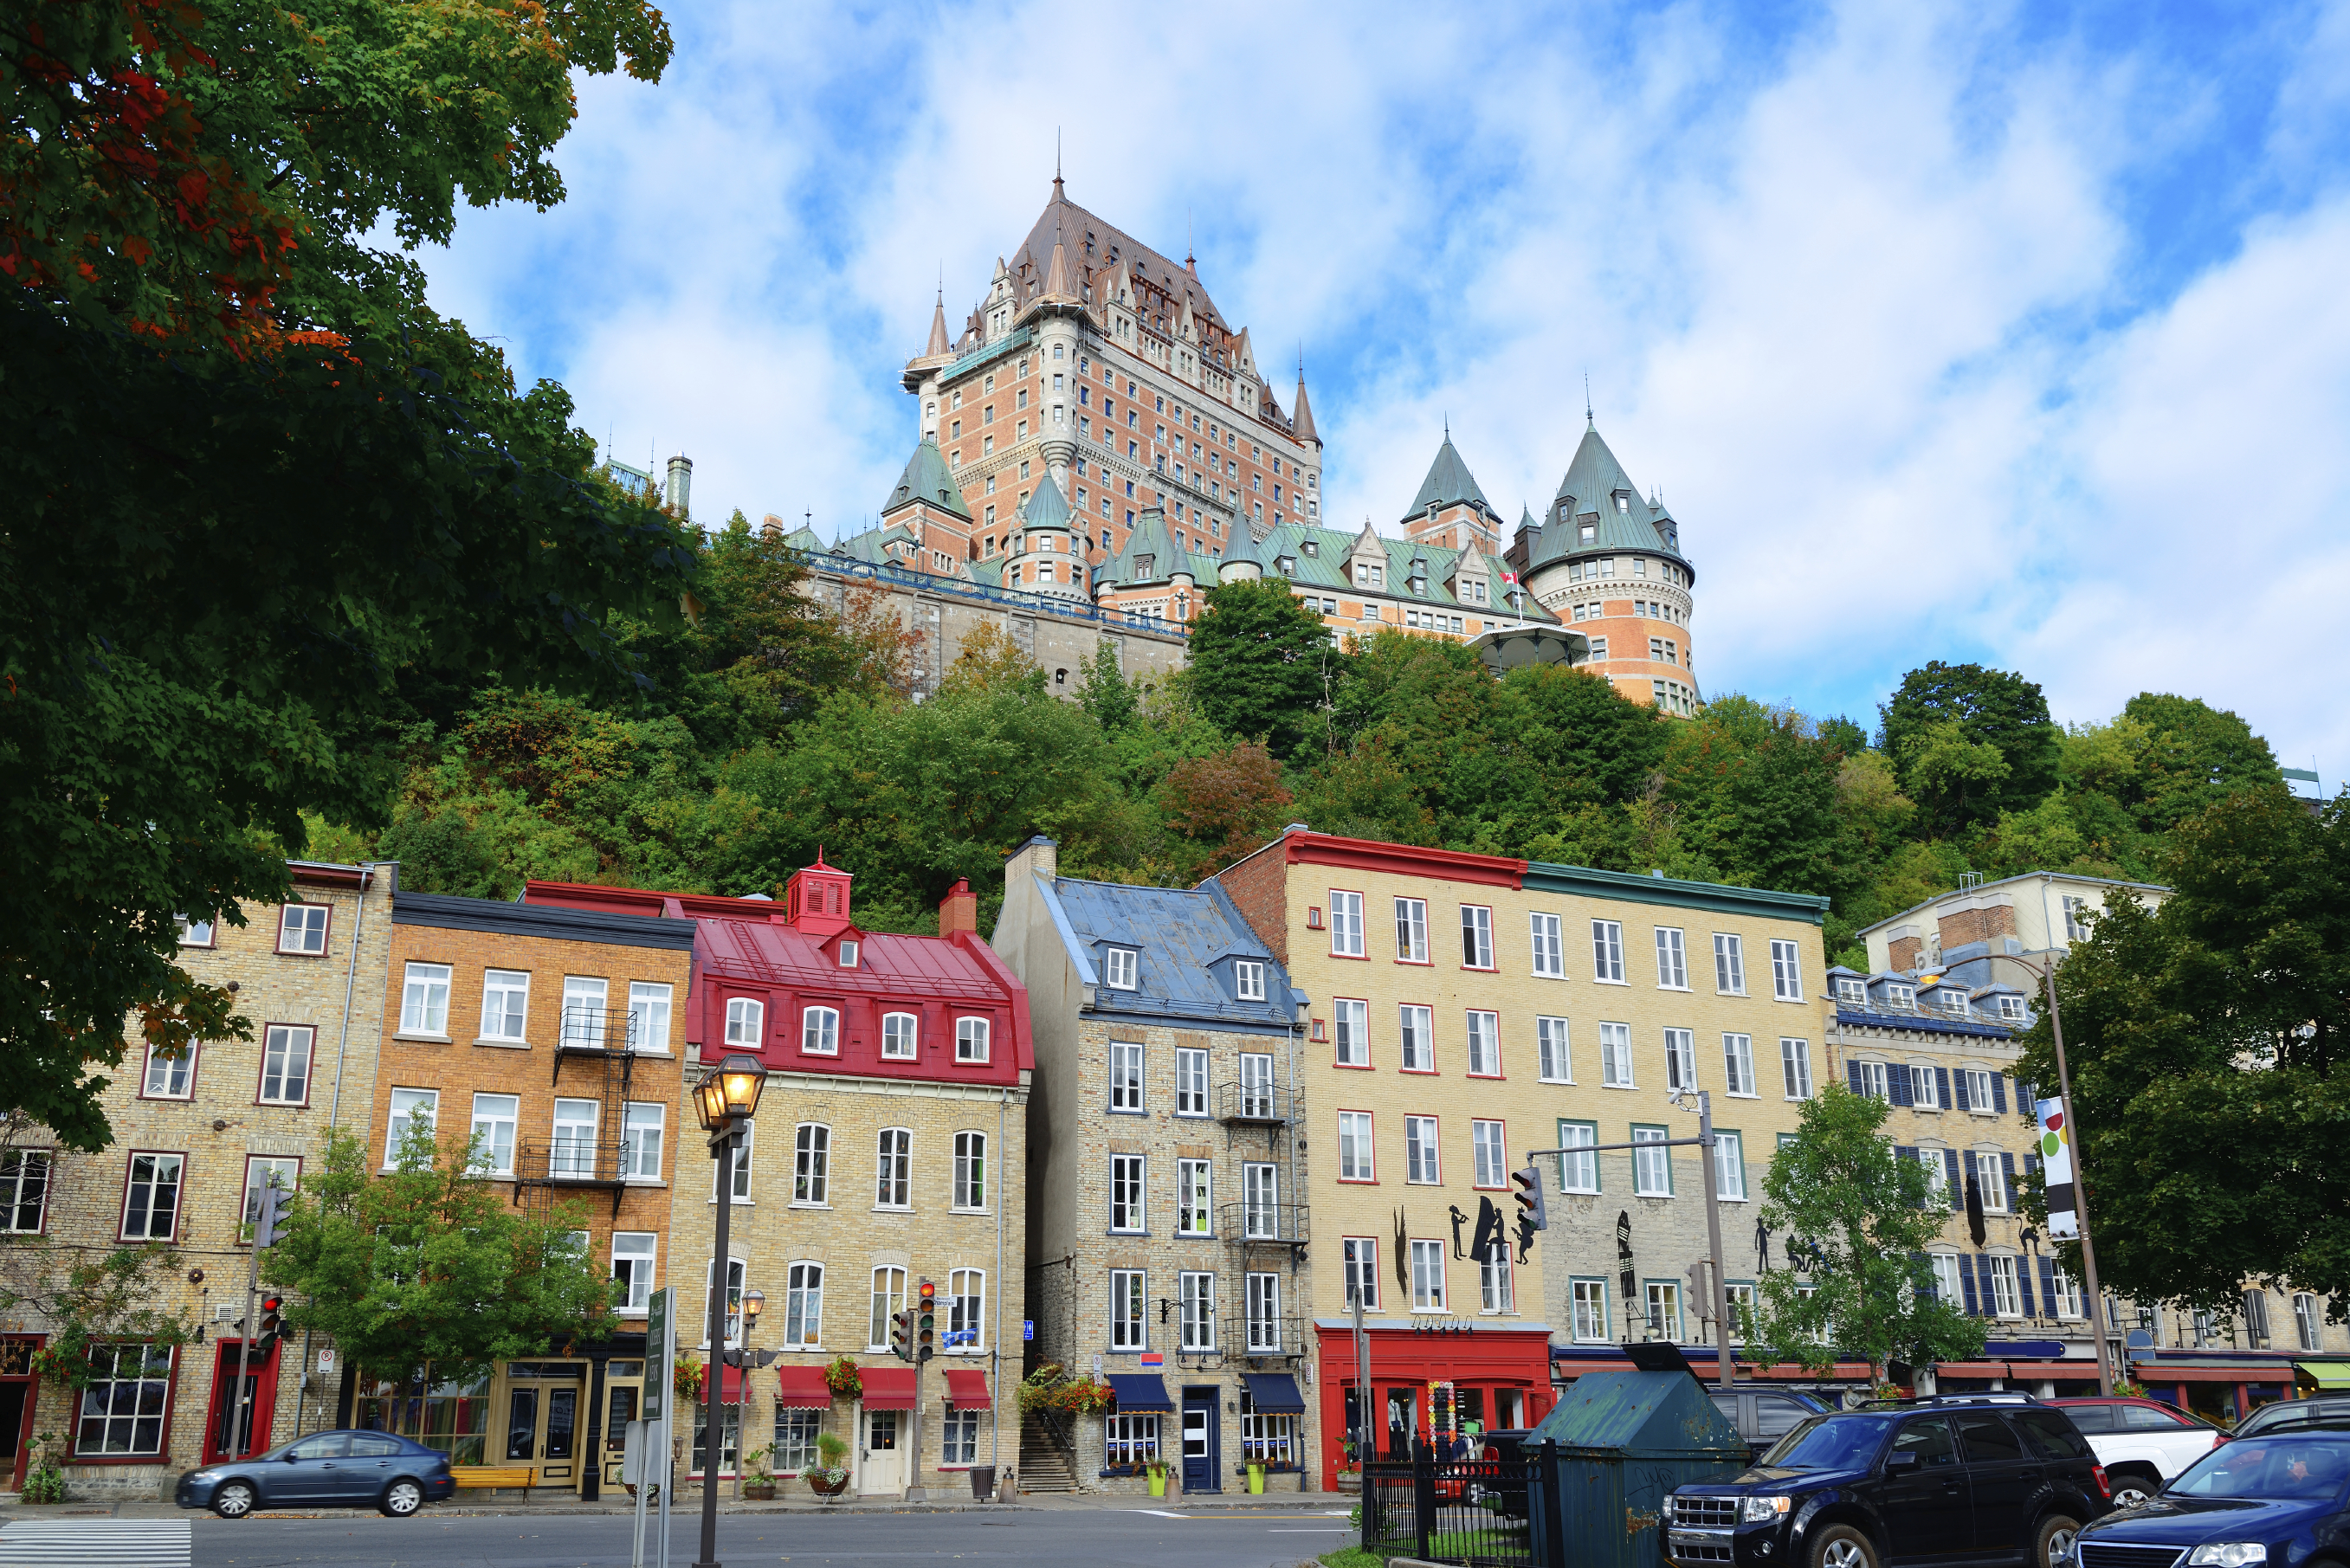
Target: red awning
[(1970, 1369), (802, 1388), (887, 1388), (967, 1388), (729, 1383)]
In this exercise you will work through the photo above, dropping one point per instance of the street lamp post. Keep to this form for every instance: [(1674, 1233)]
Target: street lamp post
[(2096, 1302), (724, 1101), (754, 1301)]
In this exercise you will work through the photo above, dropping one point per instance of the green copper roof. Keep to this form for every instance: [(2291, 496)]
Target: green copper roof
[(1595, 484), (927, 479), (1325, 568), (1047, 508), (1448, 483)]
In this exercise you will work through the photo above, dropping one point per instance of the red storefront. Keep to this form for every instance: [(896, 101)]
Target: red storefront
[(1497, 1378)]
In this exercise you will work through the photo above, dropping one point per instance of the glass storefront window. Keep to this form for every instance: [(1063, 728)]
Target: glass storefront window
[(452, 1418)]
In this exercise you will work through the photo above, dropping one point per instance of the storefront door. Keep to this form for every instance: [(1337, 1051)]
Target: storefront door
[(17, 1397), (623, 1389), (542, 1415), (1403, 1421), (883, 1467), (243, 1398), (1199, 1439)]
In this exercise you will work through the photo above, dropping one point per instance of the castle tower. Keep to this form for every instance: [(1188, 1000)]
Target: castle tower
[(1044, 555), (927, 503), (1102, 365), (1449, 509), (1607, 561)]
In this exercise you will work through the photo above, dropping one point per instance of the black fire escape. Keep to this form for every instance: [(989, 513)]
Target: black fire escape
[(595, 1059)]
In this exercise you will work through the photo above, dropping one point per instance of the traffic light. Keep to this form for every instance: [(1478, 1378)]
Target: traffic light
[(1532, 1214), (273, 1323), (926, 1323), (277, 1208), (902, 1335)]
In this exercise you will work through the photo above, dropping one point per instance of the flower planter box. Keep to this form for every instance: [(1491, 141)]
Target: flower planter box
[(759, 1491), (1350, 1480), (827, 1486)]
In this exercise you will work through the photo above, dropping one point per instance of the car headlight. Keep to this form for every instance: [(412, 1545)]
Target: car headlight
[(2228, 1553), (1760, 1509), (205, 1476)]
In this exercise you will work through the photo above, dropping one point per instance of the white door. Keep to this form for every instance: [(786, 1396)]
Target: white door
[(882, 1469)]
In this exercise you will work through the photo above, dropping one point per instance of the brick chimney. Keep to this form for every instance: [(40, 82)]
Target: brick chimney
[(958, 910)]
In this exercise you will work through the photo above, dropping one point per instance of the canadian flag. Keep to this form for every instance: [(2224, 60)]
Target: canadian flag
[(1511, 578)]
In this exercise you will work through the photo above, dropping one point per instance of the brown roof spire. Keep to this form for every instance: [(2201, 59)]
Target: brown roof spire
[(1056, 276), (938, 347), (1302, 416)]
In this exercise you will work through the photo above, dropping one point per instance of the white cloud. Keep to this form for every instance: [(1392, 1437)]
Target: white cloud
[(1864, 298)]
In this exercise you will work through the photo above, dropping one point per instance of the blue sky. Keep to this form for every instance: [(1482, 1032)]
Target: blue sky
[(2003, 333)]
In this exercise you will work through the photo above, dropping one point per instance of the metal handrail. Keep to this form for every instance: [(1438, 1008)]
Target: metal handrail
[(607, 1162), (1237, 1334), (1272, 1224), (926, 582), (1239, 1102), (601, 1029)]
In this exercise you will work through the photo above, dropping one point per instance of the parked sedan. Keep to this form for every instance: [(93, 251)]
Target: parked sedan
[(2142, 1443), (2324, 1410), (2256, 1502), (325, 1469)]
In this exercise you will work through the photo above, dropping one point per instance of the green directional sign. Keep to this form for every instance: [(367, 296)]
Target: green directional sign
[(661, 1355)]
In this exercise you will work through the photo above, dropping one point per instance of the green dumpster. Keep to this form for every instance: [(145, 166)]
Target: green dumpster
[(1625, 1440)]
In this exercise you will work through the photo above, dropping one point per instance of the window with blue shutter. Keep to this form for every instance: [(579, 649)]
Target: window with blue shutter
[(2014, 1200), (1959, 1104), (2048, 1284), (1942, 1080), (2026, 1099), (1897, 1084), (1919, 1267), (2023, 1284), (1852, 1077), (1958, 1183), (1903, 1151), (1967, 1283), (1999, 1093)]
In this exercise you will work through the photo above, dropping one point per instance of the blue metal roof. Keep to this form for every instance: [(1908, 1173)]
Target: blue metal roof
[(1182, 938)]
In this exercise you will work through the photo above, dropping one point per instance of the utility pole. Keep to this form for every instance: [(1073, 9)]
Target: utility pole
[(2080, 1177)]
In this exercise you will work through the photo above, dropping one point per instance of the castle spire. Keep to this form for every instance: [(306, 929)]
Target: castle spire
[(1302, 416), (938, 347)]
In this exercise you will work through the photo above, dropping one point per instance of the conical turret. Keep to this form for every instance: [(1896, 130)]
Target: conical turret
[(1302, 416)]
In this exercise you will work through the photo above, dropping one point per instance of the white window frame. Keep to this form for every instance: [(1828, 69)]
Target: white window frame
[(642, 1255), (1248, 979), (1357, 1153), (1351, 1031), (1944, 1266), (568, 1154), (1489, 1143), (424, 1001), (1672, 958), (297, 922), (1416, 1027), (1496, 1290), (1925, 1093), (171, 1077), (1652, 1168), (1126, 1067), (1795, 1067), (284, 1171), (1616, 1056), (403, 1105), (1358, 1262), (1729, 964), (811, 1165), (1129, 1319), (893, 1168), (1978, 1099), (165, 1172), (886, 1299), (804, 1305), (586, 1001), (1578, 1172), (1786, 970), (973, 1041), (1680, 1060), (746, 1018), (1873, 1081), (1730, 1165), (1423, 1152), (1554, 1050), (1195, 1197), (820, 1031), (1256, 1083), (1738, 1064), (505, 1005), (1607, 952), (1129, 1194), (1476, 936), (1428, 1293), (1195, 1291), (1990, 1175), (1412, 930), (1587, 1304), (1121, 968), (966, 1311), (2006, 1301), (1261, 1314), (492, 1114), (1549, 949), (901, 1036), (1346, 924), (1664, 1307), (23, 1169), (969, 1194), (1191, 1080), (644, 1132), (649, 1016), (1260, 1201)]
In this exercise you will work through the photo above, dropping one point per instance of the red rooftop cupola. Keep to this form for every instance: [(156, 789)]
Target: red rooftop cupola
[(816, 900)]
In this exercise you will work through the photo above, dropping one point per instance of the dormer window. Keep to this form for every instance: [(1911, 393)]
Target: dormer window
[(1901, 998), (848, 955), (1955, 1001), (1623, 501), (1590, 532), (1311, 547), (1286, 566), (1248, 979), (1119, 968), (1853, 993)]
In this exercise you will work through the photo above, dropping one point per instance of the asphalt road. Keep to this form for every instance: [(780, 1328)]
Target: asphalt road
[(1272, 1537)]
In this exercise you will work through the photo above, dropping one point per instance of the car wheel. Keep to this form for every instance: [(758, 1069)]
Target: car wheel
[(2135, 1489), (1842, 1546), (2055, 1545), (403, 1498), (233, 1501)]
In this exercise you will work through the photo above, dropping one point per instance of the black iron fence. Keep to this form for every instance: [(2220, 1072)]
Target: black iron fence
[(1499, 1511)]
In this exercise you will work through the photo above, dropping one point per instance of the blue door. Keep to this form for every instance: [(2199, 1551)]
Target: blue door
[(1199, 1444)]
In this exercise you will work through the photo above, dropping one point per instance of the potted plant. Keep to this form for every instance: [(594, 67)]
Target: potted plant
[(1350, 1469), (688, 1376), (1256, 1476), (830, 1478), (1158, 1468), (841, 1375), (758, 1480)]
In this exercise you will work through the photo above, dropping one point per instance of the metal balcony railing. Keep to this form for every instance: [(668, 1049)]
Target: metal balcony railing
[(573, 1162), (599, 1031), (1245, 1335), (1242, 1100), (1268, 1225)]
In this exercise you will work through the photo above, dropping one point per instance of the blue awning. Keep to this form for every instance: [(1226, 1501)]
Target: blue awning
[(1141, 1391), (1275, 1394)]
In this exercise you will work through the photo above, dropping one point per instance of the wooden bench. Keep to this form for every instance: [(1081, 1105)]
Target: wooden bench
[(473, 1477)]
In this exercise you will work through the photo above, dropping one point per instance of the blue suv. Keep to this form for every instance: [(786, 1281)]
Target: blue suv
[(1978, 1479)]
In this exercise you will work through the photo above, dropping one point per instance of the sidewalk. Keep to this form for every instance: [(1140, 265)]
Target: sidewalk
[(564, 1504)]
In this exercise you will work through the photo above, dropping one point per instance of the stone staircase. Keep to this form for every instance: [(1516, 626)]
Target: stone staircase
[(1045, 1464)]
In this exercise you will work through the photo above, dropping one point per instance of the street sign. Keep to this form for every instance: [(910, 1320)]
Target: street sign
[(327, 1362), (661, 1353)]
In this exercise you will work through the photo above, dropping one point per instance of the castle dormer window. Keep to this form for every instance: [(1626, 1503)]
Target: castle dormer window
[(1623, 501), (1286, 566), (1119, 967), (1589, 532)]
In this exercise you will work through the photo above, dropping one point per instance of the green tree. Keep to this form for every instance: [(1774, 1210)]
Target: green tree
[(1855, 1218), (1757, 791), (2205, 1040), (266, 503), (1103, 691), (1261, 662), (428, 1265), (2194, 756), (1956, 784), (87, 1297)]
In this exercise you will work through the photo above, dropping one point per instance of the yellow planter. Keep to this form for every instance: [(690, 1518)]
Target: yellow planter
[(1159, 1483), (1256, 1479)]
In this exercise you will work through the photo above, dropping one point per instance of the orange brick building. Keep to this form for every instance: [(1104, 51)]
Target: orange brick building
[(555, 1037)]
